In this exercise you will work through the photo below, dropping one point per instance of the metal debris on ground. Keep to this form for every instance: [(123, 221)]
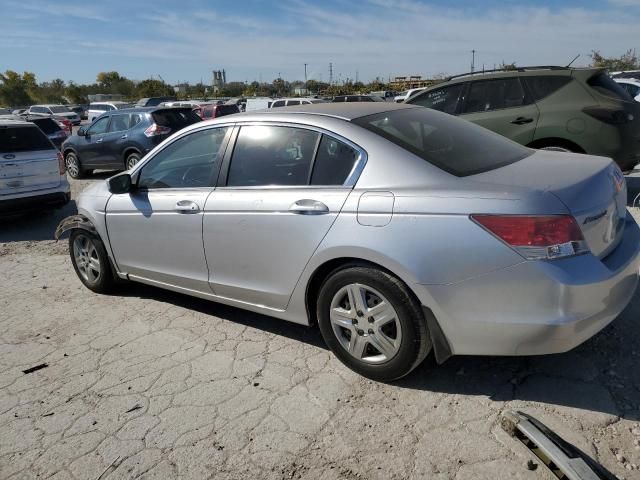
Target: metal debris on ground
[(564, 460), (36, 368)]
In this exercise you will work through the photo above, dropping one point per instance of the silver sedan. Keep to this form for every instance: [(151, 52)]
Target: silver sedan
[(396, 229)]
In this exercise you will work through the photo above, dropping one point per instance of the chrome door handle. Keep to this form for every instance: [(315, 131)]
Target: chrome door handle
[(123, 137), (187, 206), (99, 140), (309, 207)]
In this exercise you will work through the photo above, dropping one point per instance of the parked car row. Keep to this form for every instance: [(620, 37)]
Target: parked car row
[(580, 110)]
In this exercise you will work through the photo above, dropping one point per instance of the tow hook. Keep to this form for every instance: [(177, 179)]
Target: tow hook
[(564, 460)]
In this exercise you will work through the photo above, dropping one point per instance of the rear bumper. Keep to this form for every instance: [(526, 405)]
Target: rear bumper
[(34, 202), (535, 307)]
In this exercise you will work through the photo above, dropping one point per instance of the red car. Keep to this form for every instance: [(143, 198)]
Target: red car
[(207, 111)]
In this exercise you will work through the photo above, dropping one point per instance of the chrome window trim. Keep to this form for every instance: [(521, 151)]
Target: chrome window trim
[(351, 179)]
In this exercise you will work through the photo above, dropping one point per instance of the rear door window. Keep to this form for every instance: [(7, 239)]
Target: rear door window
[(119, 123), (23, 139), (544, 85), (443, 99), (136, 118), (485, 96), (278, 103), (293, 102), (451, 144), (266, 155), (603, 84), (334, 162)]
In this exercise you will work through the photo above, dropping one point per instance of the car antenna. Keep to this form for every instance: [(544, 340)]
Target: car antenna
[(569, 64)]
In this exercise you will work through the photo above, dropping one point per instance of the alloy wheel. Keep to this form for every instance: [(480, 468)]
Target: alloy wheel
[(86, 258), (365, 323), (73, 167), (131, 161)]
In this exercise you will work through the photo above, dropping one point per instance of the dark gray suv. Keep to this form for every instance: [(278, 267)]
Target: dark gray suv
[(120, 138)]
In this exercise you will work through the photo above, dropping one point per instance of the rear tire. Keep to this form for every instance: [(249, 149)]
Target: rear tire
[(372, 323), (73, 165), (90, 261), (131, 160)]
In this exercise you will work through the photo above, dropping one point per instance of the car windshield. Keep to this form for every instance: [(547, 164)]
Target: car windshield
[(60, 109), (23, 139), (454, 145)]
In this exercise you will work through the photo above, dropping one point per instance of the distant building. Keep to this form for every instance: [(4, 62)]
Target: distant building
[(407, 82), (105, 97), (219, 79), (181, 88), (300, 91)]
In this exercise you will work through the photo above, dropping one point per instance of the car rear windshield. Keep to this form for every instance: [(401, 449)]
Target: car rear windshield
[(227, 109), (175, 118), (23, 139), (602, 83), (47, 125), (60, 109), (454, 145)]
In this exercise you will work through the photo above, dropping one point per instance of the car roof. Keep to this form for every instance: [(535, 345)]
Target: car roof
[(135, 109), (11, 122), (342, 110), (634, 81), (49, 105)]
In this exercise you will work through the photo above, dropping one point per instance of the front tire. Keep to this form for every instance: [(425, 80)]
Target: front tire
[(90, 261), (372, 323), (72, 163)]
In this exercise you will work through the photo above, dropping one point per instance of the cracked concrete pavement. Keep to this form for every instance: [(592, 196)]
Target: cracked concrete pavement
[(152, 384)]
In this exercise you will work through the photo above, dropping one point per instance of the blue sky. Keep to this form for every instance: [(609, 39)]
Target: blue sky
[(183, 40)]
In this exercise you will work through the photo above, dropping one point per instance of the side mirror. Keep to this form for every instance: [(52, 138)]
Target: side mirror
[(121, 183), (82, 132)]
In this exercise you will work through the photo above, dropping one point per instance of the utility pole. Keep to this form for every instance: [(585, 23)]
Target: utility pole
[(305, 75), (473, 60), (356, 76), (330, 73)]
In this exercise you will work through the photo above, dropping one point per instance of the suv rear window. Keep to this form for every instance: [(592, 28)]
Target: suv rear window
[(23, 139), (175, 118), (544, 85), (47, 125), (602, 83), (226, 109), (451, 144)]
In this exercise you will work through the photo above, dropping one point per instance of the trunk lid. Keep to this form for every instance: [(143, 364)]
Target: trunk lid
[(592, 188), (28, 160)]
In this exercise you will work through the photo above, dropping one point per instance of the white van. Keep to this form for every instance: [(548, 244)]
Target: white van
[(258, 103), (287, 102), (98, 108)]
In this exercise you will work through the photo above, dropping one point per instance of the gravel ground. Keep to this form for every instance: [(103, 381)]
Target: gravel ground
[(152, 384)]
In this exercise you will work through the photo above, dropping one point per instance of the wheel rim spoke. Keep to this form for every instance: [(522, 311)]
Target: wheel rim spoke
[(365, 323), (86, 258), (357, 346)]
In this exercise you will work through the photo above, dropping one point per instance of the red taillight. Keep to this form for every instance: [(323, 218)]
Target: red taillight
[(536, 236), (154, 129), (61, 166)]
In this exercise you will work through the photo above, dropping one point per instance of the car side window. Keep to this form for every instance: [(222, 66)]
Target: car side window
[(278, 103), (334, 162), (485, 96), (544, 85), (100, 126), (136, 118), (270, 155), (191, 161), (119, 123), (443, 99), (293, 102)]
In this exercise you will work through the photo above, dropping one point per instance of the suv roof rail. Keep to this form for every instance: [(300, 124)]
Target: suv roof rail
[(516, 69)]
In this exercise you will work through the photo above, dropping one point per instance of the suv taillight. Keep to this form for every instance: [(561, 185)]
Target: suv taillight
[(536, 237), (62, 168), (154, 130), (608, 115)]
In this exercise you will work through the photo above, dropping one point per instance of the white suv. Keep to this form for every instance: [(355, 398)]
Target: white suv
[(287, 102), (98, 108), (32, 172), (55, 111), (631, 85)]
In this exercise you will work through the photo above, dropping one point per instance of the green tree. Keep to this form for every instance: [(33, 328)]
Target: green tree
[(627, 61), (153, 88), (232, 89), (76, 93), (16, 89)]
